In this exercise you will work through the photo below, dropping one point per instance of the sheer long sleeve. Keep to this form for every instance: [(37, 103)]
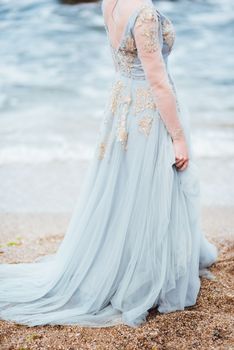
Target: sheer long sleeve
[(146, 33)]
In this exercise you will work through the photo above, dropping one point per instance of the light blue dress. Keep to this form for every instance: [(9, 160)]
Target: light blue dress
[(134, 241)]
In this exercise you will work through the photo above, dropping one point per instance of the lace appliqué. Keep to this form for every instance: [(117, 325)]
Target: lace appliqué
[(129, 44), (168, 32), (148, 19), (144, 100), (126, 55), (115, 100), (115, 95), (122, 133), (145, 124), (119, 105), (102, 149)]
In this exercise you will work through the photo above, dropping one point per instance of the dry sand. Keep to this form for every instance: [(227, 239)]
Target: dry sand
[(207, 325)]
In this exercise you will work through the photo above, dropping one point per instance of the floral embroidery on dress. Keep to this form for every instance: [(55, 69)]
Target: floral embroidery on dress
[(122, 134), (168, 32), (102, 149), (115, 101), (153, 28), (149, 19), (129, 44), (145, 124), (125, 56), (115, 95), (144, 100)]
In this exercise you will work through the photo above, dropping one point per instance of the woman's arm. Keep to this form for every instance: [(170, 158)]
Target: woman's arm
[(146, 34)]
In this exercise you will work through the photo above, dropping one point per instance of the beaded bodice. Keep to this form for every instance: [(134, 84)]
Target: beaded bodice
[(126, 59)]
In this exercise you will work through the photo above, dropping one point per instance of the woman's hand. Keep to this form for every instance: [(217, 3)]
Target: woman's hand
[(181, 154)]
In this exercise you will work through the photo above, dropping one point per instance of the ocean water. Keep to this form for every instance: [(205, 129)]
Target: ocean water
[(55, 73)]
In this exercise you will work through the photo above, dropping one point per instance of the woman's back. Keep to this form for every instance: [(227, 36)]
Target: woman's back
[(116, 15)]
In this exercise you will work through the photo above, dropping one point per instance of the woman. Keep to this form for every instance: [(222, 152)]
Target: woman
[(134, 241)]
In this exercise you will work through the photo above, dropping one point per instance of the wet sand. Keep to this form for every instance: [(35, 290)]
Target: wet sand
[(207, 325)]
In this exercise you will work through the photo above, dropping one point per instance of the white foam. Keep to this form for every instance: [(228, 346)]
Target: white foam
[(35, 155)]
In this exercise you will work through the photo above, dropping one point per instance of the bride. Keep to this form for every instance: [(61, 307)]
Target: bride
[(134, 241)]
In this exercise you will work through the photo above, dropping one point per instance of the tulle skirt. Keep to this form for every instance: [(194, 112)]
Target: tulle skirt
[(134, 240)]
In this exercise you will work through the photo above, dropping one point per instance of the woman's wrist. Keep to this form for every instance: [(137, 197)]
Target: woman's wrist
[(177, 134)]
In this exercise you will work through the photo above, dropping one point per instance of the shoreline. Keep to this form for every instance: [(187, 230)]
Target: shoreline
[(217, 222)]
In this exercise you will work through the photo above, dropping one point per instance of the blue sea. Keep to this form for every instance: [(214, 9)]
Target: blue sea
[(55, 74)]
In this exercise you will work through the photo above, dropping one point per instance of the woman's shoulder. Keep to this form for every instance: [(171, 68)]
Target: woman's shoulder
[(147, 11)]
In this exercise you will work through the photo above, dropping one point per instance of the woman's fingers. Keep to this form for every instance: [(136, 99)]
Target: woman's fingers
[(179, 162), (184, 166)]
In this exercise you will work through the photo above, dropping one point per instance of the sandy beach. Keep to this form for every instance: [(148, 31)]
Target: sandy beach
[(207, 325)]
